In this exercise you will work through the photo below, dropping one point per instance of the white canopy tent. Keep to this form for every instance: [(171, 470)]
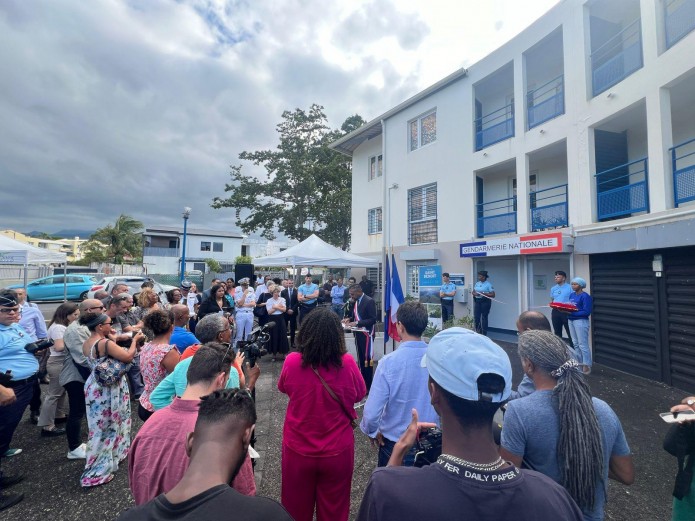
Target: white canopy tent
[(17, 253), (313, 251)]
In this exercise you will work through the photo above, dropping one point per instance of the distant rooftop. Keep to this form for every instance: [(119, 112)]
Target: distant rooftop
[(178, 230)]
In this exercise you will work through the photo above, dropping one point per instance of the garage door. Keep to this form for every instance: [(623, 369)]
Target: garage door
[(644, 324)]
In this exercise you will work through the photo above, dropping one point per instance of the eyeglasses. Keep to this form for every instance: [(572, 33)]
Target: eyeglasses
[(7, 311), (96, 307), (107, 323)]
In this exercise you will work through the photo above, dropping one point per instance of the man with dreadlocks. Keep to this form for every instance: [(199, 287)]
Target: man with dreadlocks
[(561, 431)]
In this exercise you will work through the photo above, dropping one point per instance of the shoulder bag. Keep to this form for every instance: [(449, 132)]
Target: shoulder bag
[(108, 371), (353, 421)]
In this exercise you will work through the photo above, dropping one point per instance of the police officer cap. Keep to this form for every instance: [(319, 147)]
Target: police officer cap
[(185, 284)]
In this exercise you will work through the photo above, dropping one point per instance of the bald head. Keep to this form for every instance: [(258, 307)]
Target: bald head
[(90, 305), (532, 320), (180, 312)]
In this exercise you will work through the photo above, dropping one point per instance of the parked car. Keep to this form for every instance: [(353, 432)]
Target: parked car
[(53, 287), (133, 283)]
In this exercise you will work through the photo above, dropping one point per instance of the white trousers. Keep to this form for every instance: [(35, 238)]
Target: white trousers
[(244, 325)]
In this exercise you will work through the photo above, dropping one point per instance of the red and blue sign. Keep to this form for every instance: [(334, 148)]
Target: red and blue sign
[(522, 245)]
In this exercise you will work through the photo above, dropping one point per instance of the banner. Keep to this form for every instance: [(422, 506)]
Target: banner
[(430, 282), (13, 257)]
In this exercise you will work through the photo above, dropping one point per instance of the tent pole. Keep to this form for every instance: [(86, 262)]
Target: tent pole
[(26, 267)]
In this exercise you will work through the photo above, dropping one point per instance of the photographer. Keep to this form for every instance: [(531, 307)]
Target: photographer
[(18, 374), (470, 377)]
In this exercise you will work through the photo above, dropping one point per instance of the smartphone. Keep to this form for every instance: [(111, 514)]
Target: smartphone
[(681, 417)]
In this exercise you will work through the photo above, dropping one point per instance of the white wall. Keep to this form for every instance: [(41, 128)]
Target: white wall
[(366, 194)]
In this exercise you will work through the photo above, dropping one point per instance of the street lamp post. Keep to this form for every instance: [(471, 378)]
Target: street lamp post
[(186, 215)]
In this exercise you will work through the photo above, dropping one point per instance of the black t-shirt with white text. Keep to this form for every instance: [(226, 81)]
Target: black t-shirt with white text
[(446, 492)]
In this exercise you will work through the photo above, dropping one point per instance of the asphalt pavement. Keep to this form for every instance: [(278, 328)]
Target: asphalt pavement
[(52, 482)]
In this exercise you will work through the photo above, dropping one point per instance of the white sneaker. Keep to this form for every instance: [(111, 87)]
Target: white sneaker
[(79, 453)]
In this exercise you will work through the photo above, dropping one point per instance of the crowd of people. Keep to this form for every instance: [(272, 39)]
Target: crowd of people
[(182, 361)]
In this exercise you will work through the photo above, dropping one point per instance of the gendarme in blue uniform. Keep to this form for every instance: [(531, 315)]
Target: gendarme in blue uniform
[(13, 356), (448, 288), (483, 287)]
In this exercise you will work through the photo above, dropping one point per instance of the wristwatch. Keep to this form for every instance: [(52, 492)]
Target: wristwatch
[(690, 402)]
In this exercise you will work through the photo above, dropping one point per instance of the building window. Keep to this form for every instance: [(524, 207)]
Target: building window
[(245, 250), (217, 246), (376, 166), (205, 246), (422, 214), (374, 221), (423, 130), (173, 243), (376, 277), (199, 266)]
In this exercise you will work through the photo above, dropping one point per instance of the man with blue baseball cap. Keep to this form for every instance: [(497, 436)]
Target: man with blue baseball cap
[(470, 377)]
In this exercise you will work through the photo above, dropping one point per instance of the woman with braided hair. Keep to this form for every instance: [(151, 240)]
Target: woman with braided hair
[(561, 431)]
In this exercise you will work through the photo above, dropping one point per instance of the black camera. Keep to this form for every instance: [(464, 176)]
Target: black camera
[(34, 347), (429, 447), (253, 348)]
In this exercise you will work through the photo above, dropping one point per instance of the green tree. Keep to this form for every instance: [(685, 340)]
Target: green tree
[(243, 259), (113, 243), (213, 265), (307, 185)]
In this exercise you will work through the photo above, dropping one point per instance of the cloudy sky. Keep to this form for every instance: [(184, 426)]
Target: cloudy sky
[(139, 107)]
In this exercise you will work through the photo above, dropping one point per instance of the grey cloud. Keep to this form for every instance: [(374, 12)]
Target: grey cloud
[(101, 116)]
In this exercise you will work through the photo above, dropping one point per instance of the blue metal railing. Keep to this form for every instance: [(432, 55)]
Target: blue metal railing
[(549, 208), (546, 102), (497, 217), (494, 127), (683, 166), (679, 20), (616, 59), (622, 190)]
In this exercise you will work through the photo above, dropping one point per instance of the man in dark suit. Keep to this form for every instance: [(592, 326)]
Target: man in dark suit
[(362, 314), (292, 305)]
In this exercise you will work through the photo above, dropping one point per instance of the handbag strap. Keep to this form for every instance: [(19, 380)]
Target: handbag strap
[(333, 395)]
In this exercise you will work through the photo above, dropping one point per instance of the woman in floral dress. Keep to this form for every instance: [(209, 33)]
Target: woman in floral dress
[(108, 407)]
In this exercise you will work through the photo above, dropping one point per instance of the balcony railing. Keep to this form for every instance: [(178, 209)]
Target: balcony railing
[(616, 59), (494, 127), (497, 217), (683, 165), (622, 190), (546, 102), (549, 208), (679, 20), (150, 251)]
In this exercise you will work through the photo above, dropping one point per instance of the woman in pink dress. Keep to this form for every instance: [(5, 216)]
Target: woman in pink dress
[(157, 357), (318, 442)]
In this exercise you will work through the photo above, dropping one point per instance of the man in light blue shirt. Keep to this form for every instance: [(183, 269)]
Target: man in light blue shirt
[(399, 385), (446, 294), (560, 292), (337, 298), (31, 320), (307, 294)]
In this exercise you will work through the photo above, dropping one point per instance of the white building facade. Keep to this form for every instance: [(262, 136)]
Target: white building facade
[(571, 147), (164, 247)]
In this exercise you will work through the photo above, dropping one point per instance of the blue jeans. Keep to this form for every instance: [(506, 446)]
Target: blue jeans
[(11, 415), (579, 331), (339, 309), (386, 450)]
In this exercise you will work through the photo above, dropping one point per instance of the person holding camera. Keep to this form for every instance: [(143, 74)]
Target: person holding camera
[(399, 385), (18, 374), (470, 377)]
